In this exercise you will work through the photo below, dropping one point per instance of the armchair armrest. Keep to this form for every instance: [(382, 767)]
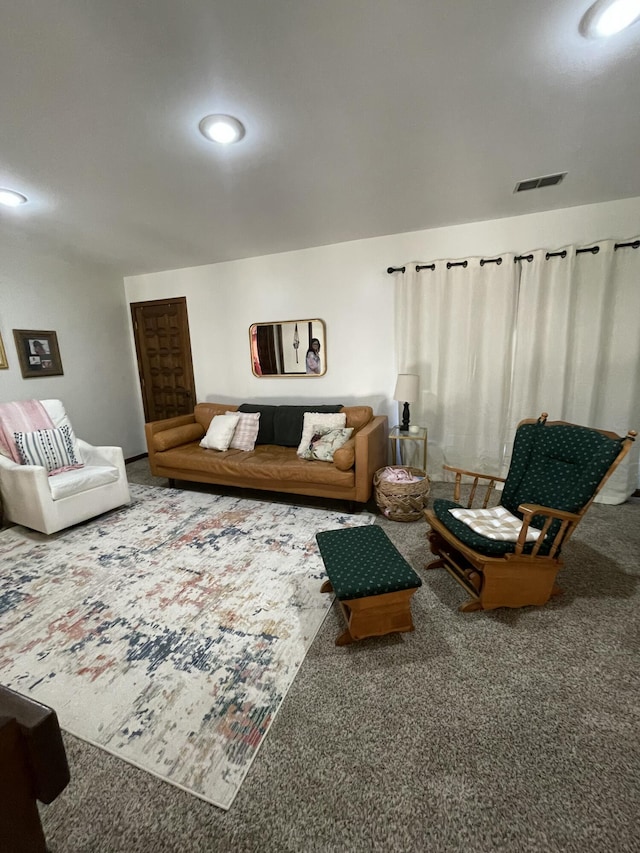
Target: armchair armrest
[(103, 455), (461, 472), (568, 520), (22, 486)]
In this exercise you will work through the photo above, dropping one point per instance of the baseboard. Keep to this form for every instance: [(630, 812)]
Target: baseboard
[(135, 458)]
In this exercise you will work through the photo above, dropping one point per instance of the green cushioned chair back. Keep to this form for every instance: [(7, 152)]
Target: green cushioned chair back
[(559, 466)]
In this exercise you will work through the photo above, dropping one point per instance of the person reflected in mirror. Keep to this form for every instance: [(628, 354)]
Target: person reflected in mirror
[(313, 357)]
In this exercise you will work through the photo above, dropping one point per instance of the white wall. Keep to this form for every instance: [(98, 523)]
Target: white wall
[(85, 306), (347, 286)]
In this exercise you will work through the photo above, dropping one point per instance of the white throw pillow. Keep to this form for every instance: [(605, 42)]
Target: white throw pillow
[(314, 420), (246, 433), (220, 432)]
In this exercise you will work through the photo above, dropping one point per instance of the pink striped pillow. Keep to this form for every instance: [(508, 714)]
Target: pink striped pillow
[(246, 431)]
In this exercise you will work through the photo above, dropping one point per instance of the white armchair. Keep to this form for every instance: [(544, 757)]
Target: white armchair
[(32, 498)]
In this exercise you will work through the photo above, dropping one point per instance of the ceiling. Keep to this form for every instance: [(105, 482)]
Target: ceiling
[(363, 118)]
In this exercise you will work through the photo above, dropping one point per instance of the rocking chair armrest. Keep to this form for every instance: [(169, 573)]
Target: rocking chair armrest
[(460, 472), (473, 474), (530, 510), (568, 519)]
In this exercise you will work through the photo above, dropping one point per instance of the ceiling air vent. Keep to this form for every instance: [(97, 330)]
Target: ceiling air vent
[(536, 183)]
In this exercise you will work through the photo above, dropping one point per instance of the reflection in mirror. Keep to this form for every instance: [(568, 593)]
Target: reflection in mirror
[(289, 348)]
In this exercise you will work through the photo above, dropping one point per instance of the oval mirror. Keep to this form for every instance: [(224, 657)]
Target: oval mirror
[(288, 348)]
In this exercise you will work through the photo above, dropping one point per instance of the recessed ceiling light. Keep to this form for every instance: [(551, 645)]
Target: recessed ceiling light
[(223, 129), (608, 17), (11, 198)]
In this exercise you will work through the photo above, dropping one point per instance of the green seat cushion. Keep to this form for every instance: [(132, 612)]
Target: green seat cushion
[(558, 466), (362, 561), (462, 531)]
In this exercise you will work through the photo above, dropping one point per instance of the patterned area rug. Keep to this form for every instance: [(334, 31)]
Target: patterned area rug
[(168, 632)]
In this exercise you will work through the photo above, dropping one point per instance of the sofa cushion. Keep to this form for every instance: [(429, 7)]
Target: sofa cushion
[(288, 422), (266, 462), (265, 432), (178, 435)]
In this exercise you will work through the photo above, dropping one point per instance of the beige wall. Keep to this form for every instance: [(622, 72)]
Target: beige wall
[(85, 306)]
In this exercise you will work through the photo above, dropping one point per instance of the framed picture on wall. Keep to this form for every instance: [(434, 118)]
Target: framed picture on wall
[(38, 353), (3, 356)]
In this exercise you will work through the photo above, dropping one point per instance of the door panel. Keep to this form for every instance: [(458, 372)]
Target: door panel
[(163, 348)]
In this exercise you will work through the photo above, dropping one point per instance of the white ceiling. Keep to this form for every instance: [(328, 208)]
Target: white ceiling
[(363, 118)]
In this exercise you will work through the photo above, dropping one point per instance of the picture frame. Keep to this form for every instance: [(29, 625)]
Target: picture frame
[(4, 364), (38, 353)]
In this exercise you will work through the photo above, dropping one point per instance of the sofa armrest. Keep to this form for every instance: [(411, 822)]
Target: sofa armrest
[(371, 454), (152, 428)]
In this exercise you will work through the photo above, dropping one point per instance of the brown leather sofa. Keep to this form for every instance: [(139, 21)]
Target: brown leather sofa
[(175, 452)]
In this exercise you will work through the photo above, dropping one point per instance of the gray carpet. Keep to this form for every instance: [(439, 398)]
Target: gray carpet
[(514, 730)]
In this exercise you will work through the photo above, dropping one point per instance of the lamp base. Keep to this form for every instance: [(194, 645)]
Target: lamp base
[(405, 418)]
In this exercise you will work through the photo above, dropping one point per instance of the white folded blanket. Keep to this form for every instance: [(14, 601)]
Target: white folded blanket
[(495, 523)]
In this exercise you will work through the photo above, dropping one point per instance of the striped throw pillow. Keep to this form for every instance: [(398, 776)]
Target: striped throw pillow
[(50, 448), (246, 431)]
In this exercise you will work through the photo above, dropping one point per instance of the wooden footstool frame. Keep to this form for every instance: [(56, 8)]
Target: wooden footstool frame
[(373, 583)]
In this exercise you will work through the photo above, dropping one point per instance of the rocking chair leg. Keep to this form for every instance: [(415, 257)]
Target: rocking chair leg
[(435, 564), (344, 639), (470, 606)]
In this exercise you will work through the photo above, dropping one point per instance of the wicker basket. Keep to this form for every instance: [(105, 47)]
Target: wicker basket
[(401, 501)]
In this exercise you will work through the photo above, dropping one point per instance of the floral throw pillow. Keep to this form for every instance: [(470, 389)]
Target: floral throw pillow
[(325, 441), (311, 424)]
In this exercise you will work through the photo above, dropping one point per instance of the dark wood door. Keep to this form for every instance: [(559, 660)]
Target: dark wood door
[(163, 347)]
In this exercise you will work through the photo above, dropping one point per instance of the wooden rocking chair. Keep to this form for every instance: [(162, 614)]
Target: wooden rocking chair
[(556, 471)]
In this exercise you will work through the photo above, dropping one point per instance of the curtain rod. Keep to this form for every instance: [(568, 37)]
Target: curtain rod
[(635, 244)]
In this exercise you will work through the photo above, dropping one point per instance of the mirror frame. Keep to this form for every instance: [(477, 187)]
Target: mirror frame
[(278, 340)]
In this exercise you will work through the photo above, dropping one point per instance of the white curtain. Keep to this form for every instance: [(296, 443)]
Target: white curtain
[(577, 353), (454, 328), (496, 344)]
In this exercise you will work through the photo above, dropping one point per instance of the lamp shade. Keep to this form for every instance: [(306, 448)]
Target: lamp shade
[(406, 388)]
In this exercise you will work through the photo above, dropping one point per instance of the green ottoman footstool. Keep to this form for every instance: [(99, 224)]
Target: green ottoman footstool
[(371, 580)]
